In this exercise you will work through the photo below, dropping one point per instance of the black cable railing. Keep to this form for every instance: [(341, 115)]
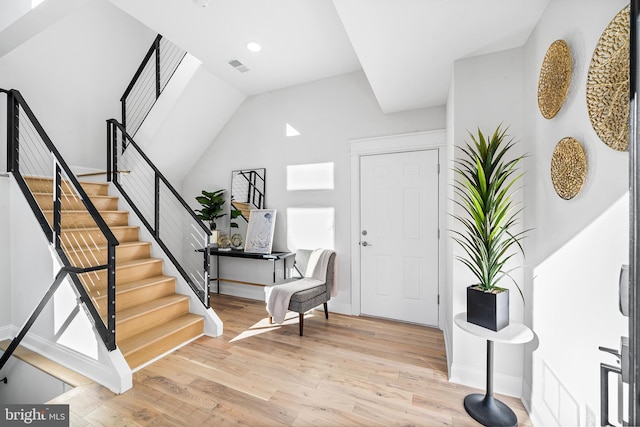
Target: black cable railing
[(159, 64), (81, 238), (175, 227)]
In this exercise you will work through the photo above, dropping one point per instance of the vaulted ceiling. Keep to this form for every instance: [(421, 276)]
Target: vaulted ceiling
[(406, 48)]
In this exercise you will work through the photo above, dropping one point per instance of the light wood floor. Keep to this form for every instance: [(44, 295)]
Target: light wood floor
[(345, 371)]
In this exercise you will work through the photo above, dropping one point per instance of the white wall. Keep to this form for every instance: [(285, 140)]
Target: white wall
[(577, 247), (74, 73), (487, 92), (12, 11), (5, 251), (327, 113), (26, 384), (197, 114)]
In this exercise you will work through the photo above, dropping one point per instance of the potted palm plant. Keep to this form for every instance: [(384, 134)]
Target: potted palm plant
[(484, 185)]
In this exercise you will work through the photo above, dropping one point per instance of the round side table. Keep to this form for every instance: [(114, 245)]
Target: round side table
[(486, 409)]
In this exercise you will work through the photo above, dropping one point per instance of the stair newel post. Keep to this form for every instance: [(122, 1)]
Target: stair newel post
[(157, 206), (207, 265), (123, 101), (114, 152), (57, 206), (13, 132), (109, 151), (111, 297)]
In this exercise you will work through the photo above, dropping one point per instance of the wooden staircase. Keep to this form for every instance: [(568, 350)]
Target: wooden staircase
[(151, 318)]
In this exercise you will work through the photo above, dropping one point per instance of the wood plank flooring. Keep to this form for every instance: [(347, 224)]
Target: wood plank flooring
[(345, 371)]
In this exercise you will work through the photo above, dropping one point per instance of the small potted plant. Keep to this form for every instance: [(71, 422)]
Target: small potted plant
[(212, 203), (484, 185)]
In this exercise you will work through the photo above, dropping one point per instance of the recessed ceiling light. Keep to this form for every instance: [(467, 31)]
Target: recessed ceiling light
[(254, 47)]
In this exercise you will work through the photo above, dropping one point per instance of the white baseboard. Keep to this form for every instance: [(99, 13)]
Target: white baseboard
[(447, 346), (340, 308), (7, 332), (242, 291), (473, 377), (113, 374), (526, 396), (539, 414), (257, 293)]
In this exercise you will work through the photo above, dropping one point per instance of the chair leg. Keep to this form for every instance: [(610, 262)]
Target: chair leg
[(301, 322), (326, 311), (270, 320)]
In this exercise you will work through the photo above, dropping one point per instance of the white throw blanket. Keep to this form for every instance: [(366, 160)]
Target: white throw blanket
[(278, 297)]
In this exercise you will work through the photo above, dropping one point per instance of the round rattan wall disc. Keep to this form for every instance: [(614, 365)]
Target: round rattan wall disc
[(568, 168), (608, 84), (555, 77)]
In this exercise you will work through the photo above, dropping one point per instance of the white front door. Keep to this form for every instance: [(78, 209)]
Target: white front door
[(399, 236)]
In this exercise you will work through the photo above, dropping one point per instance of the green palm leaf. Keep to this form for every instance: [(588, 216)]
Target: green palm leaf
[(484, 188)]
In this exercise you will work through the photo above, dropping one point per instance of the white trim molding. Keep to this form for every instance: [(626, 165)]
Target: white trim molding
[(415, 141), (476, 378), (113, 372)]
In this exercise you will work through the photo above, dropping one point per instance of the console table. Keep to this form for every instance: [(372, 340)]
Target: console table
[(486, 409), (239, 253)]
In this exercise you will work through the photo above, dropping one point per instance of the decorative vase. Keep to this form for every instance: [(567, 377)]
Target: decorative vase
[(214, 239), (488, 309)]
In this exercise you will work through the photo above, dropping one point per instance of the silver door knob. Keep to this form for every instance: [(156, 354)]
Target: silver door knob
[(365, 243)]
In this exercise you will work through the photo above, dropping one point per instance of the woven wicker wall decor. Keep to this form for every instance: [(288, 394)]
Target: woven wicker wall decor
[(555, 77), (608, 84), (568, 168)]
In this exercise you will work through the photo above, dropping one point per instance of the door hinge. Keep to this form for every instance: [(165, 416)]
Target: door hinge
[(438, 299), (438, 233), (438, 168)]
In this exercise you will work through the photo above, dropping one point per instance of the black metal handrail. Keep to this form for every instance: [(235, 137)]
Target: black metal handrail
[(21, 120), (141, 171), (157, 67)]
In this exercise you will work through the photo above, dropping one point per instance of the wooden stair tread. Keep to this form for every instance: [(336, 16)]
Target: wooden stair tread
[(149, 336), (136, 262), (89, 229), (75, 195), (144, 282), (137, 284), (90, 187), (104, 247), (157, 304), (102, 212)]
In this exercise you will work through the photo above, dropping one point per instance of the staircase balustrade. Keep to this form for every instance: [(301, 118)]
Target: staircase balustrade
[(175, 227), (48, 185), (155, 71)]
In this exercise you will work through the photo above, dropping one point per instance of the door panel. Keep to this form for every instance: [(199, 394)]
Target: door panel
[(399, 240)]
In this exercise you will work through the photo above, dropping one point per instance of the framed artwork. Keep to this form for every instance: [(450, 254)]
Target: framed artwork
[(262, 223)]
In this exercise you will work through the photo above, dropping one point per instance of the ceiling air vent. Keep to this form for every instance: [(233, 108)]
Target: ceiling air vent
[(238, 65)]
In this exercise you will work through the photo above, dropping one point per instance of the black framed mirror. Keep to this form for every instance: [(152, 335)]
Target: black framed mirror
[(248, 188)]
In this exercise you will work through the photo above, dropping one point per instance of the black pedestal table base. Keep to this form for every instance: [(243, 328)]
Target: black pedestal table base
[(489, 411)]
